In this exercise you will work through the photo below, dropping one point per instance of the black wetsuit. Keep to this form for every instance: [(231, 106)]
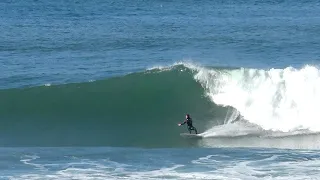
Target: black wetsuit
[(189, 124)]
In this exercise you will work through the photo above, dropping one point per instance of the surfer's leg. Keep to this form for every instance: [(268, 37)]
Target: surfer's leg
[(189, 129), (193, 128)]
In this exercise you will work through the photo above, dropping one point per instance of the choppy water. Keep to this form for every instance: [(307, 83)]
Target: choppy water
[(133, 163)]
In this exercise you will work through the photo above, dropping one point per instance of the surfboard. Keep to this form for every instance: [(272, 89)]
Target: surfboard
[(187, 135)]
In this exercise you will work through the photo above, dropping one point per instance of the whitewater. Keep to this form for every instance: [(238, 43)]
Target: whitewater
[(275, 99)]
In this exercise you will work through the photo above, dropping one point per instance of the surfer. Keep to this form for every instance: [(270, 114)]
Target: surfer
[(189, 124)]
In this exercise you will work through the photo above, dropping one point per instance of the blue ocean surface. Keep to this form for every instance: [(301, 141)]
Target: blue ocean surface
[(95, 89)]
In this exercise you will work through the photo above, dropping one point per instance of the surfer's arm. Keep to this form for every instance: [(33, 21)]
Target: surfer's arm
[(182, 123)]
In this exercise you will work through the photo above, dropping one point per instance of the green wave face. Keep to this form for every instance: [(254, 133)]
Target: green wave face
[(139, 109)]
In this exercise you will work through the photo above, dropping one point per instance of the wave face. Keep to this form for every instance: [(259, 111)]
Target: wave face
[(140, 109), (143, 109)]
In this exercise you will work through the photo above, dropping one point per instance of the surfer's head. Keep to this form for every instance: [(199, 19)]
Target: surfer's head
[(187, 116)]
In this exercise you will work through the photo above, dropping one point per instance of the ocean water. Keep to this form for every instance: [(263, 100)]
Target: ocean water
[(95, 89)]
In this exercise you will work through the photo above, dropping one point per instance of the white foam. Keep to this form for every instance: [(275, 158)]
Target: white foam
[(27, 159), (234, 130), (214, 166), (187, 63), (158, 67), (276, 99)]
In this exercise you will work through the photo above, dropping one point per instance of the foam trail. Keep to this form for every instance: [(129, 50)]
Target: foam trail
[(234, 130), (231, 116), (276, 99)]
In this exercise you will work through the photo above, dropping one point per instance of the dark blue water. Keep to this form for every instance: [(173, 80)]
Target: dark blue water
[(49, 43), (45, 42)]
